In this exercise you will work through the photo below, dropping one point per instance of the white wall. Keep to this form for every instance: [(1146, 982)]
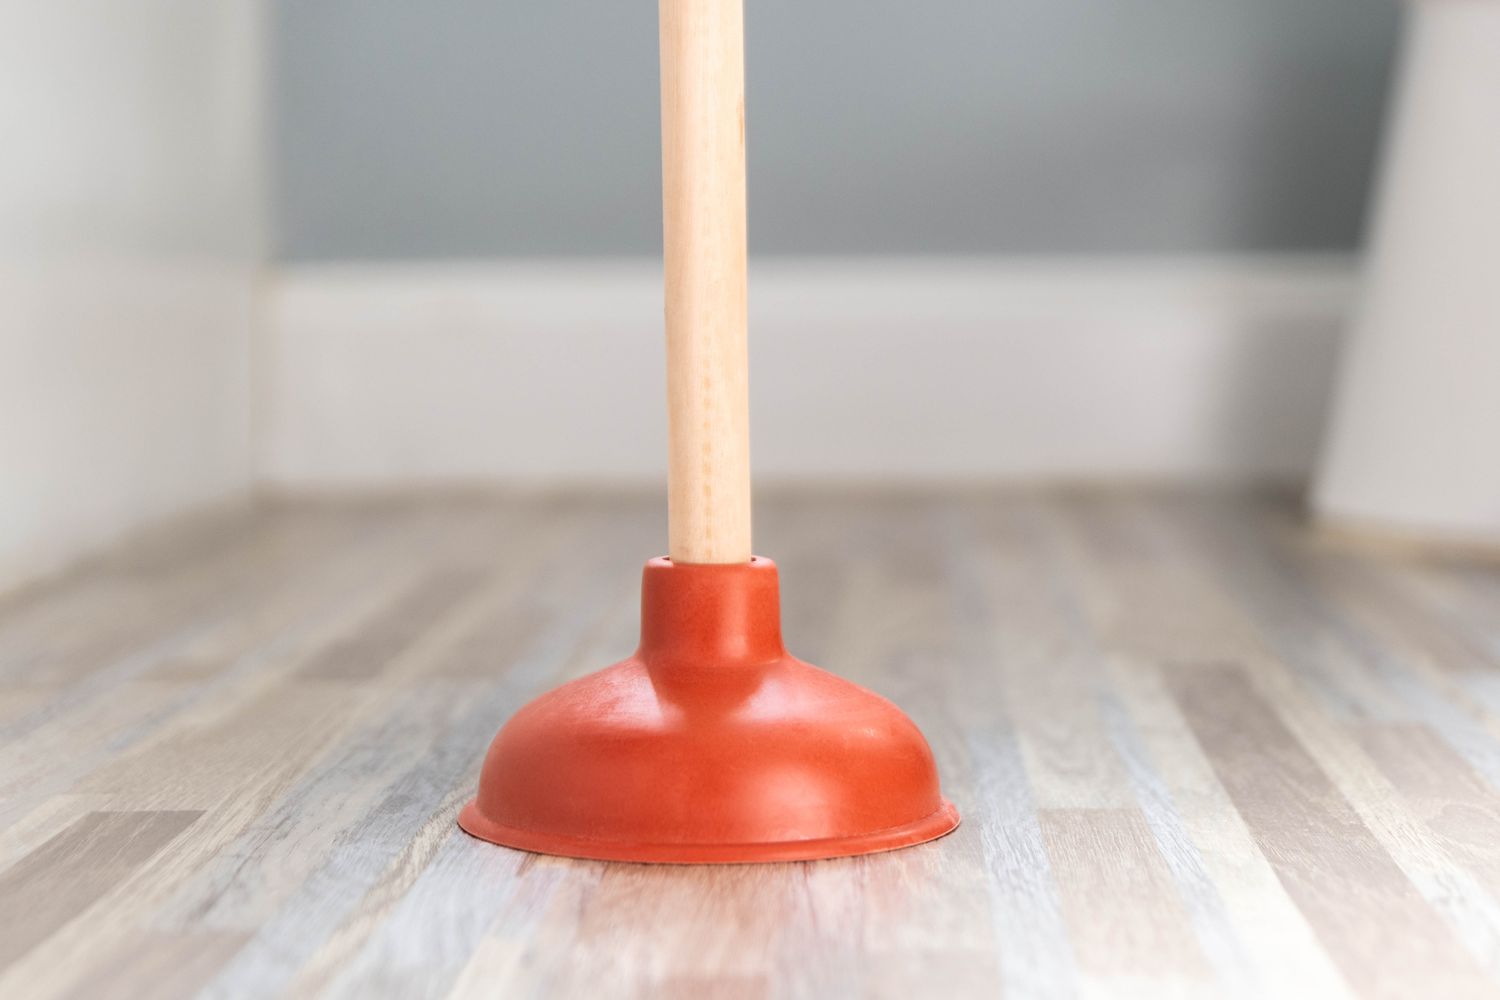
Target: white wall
[(442, 129), (392, 376), (137, 379), (1414, 444), (129, 239)]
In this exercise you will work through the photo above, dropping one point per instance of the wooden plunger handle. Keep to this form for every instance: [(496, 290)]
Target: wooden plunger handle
[(703, 196)]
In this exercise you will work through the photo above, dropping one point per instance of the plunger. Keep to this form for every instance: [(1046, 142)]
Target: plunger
[(710, 743)]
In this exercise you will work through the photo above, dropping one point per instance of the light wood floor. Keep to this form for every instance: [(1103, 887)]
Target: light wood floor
[(1198, 753)]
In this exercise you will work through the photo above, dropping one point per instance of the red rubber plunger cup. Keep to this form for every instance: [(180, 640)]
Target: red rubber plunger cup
[(710, 744)]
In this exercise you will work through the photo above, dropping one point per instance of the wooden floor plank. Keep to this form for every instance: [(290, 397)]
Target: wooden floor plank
[(1368, 915), (1197, 753), (60, 879)]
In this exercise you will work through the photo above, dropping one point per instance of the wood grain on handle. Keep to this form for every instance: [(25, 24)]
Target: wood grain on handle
[(703, 194)]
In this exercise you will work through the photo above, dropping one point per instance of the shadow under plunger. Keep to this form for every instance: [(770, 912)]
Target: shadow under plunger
[(711, 743)]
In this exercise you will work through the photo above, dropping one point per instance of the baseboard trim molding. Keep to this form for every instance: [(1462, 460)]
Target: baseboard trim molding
[(125, 395), (1406, 540), (391, 375)]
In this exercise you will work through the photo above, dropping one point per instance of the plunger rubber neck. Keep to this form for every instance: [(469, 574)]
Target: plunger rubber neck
[(699, 616)]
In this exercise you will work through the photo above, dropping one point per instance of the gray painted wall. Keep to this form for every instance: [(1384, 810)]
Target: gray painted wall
[(450, 128)]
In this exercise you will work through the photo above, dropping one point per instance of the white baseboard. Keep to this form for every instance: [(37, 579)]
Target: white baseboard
[(125, 398), (398, 375)]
